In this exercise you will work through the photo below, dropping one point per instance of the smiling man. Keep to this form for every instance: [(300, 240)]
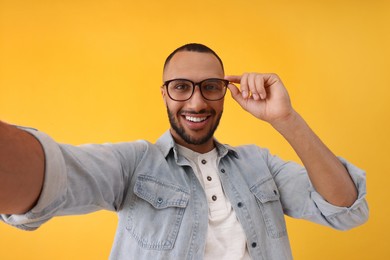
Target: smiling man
[(188, 196), (194, 113)]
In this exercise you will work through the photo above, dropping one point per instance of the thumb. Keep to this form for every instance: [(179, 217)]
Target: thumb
[(236, 93)]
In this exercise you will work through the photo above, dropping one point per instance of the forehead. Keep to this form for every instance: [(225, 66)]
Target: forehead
[(195, 66)]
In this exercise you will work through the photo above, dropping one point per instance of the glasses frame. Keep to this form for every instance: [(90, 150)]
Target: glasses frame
[(194, 84)]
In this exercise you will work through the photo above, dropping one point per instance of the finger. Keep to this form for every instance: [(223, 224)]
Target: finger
[(271, 79), (252, 86), (236, 94), (259, 79), (244, 85), (233, 78), (234, 90), (240, 79)]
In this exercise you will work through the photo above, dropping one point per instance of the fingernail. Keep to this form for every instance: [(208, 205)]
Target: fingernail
[(255, 96), (244, 94), (261, 96)]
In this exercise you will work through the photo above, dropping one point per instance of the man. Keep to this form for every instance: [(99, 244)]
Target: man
[(188, 196)]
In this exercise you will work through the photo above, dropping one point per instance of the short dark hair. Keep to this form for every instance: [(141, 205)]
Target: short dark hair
[(195, 47)]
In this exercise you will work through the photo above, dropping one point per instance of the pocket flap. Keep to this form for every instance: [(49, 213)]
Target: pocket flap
[(265, 190), (160, 195)]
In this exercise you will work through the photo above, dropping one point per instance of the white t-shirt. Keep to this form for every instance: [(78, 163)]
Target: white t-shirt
[(225, 236)]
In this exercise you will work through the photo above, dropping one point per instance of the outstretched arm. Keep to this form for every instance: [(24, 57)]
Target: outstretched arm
[(265, 97), (21, 170)]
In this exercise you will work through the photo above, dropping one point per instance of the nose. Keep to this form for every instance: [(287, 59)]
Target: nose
[(197, 101)]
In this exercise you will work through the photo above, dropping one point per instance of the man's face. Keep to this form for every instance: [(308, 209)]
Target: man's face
[(194, 121)]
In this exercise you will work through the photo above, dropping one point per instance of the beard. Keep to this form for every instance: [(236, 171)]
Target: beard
[(175, 125)]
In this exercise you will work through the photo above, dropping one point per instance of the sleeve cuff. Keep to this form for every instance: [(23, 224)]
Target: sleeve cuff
[(359, 178), (53, 190)]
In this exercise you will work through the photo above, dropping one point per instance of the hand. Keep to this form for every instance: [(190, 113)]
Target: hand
[(262, 95)]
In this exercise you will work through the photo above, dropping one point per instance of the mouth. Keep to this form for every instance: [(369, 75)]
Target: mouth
[(196, 119), (196, 122)]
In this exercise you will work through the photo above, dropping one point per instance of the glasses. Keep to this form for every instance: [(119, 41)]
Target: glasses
[(182, 89)]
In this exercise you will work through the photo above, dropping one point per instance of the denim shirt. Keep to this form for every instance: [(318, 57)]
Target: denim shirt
[(162, 207)]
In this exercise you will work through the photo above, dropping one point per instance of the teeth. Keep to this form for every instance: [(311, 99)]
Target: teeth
[(195, 119)]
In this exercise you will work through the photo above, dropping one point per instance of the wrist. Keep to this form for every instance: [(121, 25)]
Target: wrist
[(290, 120)]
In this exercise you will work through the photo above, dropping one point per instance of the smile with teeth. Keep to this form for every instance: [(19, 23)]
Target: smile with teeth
[(195, 119)]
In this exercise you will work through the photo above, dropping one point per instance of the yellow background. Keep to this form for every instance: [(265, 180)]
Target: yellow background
[(90, 71)]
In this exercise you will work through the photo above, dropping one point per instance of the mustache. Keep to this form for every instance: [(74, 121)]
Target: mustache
[(203, 111)]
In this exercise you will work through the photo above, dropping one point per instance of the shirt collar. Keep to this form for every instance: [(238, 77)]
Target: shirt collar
[(166, 143)]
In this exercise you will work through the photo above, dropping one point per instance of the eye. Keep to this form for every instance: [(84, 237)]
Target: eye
[(212, 86), (180, 86)]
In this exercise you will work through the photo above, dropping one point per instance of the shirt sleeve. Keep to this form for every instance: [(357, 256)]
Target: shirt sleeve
[(79, 179), (300, 200)]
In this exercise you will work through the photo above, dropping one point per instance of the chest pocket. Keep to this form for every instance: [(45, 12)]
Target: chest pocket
[(156, 213), (267, 196)]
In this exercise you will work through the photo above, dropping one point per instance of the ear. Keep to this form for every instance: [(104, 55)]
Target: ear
[(164, 95)]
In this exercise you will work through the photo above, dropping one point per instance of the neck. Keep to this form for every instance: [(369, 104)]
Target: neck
[(199, 148)]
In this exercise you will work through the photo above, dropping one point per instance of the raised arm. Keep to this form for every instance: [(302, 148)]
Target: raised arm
[(22, 163), (265, 97)]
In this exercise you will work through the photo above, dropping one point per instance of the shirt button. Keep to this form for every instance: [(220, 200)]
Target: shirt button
[(209, 178), (239, 204), (214, 198), (204, 161), (223, 170), (254, 244)]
